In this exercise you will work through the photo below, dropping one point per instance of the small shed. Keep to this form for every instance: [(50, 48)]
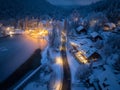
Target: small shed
[(95, 36), (109, 26), (81, 29)]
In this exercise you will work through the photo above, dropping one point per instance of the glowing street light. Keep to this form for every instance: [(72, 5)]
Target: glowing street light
[(59, 61), (58, 85), (62, 48)]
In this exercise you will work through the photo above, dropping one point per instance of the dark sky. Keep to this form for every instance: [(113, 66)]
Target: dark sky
[(72, 2)]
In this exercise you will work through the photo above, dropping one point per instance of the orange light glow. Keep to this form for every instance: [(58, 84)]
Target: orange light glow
[(63, 33), (40, 42), (37, 33), (81, 58), (63, 40), (58, 85), (62, 48), (8, 28), (106, 28), (11, 33), (73, 44), (59, 61)]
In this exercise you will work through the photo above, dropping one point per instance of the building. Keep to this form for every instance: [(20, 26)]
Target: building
[(31, 24), (94, 56), (109, 26), (95, 36), (81, 30), (80, 57), (91, 54)]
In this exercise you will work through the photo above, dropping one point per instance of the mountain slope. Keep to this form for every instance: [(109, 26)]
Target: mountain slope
[(23, 8), (110, 7)]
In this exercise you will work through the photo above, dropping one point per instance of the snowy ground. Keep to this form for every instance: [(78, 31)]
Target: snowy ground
[(55, 80), (101, 76), (107, 79), (76, 85), (35, 86), (73, 66)]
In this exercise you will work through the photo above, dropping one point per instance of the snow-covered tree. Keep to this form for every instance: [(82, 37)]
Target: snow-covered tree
[(54, 37), (111, 47), (109, 7), (116, 66), (96, 20), (75, 18), (98, 44), (45, 74), (83, 72)]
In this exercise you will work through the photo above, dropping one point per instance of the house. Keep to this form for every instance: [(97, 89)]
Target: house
[(91, 54), (81, 29), (109, 26), (95, 36), (80, 57), (86, 57), (94, 56)]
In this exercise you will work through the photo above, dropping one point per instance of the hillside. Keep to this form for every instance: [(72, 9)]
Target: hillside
[(110, 7), (23, 8)]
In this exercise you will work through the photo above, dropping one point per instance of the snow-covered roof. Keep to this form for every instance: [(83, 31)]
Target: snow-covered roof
[(88, 54), (111, 25), (90, 51), (85, 42), (87, 50), (85, 47), (94, 34), (80, 28)]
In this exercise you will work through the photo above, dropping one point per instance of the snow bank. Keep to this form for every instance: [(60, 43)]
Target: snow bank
[(73, 66), (35, 86)]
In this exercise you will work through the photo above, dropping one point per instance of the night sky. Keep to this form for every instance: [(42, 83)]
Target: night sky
[(72, 2)]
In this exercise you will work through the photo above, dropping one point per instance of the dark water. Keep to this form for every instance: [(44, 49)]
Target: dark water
[(15, 50)]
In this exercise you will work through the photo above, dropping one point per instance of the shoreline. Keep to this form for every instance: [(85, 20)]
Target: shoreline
[(32, 63)]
